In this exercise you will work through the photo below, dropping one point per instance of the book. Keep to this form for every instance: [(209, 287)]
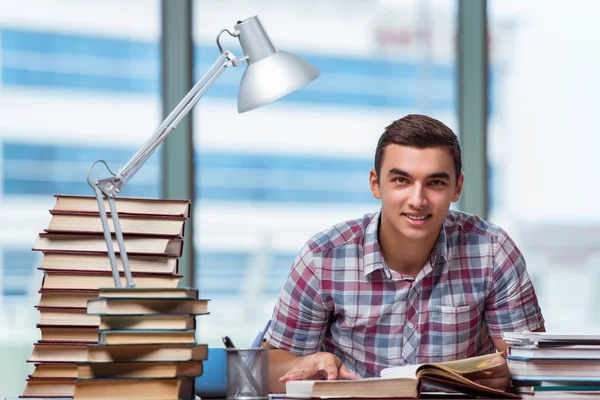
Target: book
[(67, 316), (39, 398), (66, 298), (79, 297), (125, 206), (58, 352), (541, 339), (554, 370), (68, 333), (146, 336), (78, 243), (124, 305), (551, 352), (139, 370), (94, 280), (54, 370), (101, 262), (154, 292), (43, 387), (407, 381), (130, 225), (147, 352), (134, 389), (559, 391), (155, 321)]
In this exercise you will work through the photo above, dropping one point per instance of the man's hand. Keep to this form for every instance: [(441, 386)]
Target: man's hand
[(496, 378), (322, 365)]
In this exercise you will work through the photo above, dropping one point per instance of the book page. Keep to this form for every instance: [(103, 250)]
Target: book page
[(301, 389), (465, 366), (403, 371), (447, 375), (471, 364), (454, 370)]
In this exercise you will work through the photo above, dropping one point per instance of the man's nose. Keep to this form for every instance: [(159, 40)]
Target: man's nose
[(417, 198)]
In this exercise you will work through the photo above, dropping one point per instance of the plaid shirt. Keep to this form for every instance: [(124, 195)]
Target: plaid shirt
[(341, 297)]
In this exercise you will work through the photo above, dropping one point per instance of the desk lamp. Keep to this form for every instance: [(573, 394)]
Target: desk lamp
[(269, 75)]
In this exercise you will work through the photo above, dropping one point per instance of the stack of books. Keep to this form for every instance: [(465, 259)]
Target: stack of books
[(547, 365), (147, 345), (75, 264)]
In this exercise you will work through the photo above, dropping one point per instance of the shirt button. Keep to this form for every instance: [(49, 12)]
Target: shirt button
[(410, 325)]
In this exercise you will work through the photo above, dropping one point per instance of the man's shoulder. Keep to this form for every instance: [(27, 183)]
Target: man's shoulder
[(347, 233), (460, 223)]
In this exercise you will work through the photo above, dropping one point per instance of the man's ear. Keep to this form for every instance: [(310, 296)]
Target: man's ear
[(459, 188), (374, 183)]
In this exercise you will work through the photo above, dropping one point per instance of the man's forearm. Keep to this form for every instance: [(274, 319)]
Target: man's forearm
[(280, 362)]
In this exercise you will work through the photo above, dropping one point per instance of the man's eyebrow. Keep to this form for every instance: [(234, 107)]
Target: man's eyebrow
[(439, 175), (396, 171), (435, 175)]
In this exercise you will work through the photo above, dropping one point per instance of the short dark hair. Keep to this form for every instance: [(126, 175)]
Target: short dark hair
[(421, 132)]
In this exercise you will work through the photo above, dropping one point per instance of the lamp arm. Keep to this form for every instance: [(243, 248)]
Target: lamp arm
[(111, 187), (174, 118)]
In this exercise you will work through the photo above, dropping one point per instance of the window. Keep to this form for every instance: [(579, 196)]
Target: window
[(269, 179), (542, 148)]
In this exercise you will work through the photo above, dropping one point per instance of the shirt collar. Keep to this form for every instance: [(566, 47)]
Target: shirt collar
[(373, 259), (440, 251)]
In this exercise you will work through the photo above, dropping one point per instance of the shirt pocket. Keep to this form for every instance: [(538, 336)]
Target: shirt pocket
[(452, 332), (371, 334)]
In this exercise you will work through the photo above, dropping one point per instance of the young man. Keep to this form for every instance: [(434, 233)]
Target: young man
[(412, 283)]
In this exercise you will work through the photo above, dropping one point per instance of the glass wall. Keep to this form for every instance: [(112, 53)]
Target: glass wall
[(542, 151), (79, 81), (269, 179)]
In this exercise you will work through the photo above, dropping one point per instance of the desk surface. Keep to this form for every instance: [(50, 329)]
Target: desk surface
[(432, 396)]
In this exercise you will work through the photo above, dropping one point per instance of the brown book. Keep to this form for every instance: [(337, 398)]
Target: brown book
[(146, 336), (154, 292), (134, 389), (407, 381), (147, 352), (120, 306), (156, 321), (101, 262), (67, 316), (49, 387), (96, 280), (139, 370), (54, 370), (66, 298), (59, 352), (68, 333), (130, 225), (125, 206), (78, 243)]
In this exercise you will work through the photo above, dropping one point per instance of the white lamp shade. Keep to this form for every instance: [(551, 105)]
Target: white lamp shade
[(273, 77), (270, 73)]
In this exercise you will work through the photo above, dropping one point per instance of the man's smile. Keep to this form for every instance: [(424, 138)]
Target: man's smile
[(417, 218)]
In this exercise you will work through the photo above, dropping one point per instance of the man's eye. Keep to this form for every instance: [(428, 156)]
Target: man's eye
[(437, 182), (401, 180)]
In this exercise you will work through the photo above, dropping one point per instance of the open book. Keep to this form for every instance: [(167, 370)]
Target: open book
[(407, 381)]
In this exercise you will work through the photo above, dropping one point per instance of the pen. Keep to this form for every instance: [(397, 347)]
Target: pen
[(227, 342), (258, 339)]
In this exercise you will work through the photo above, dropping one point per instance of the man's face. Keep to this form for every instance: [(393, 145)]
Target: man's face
[(416, 188)]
